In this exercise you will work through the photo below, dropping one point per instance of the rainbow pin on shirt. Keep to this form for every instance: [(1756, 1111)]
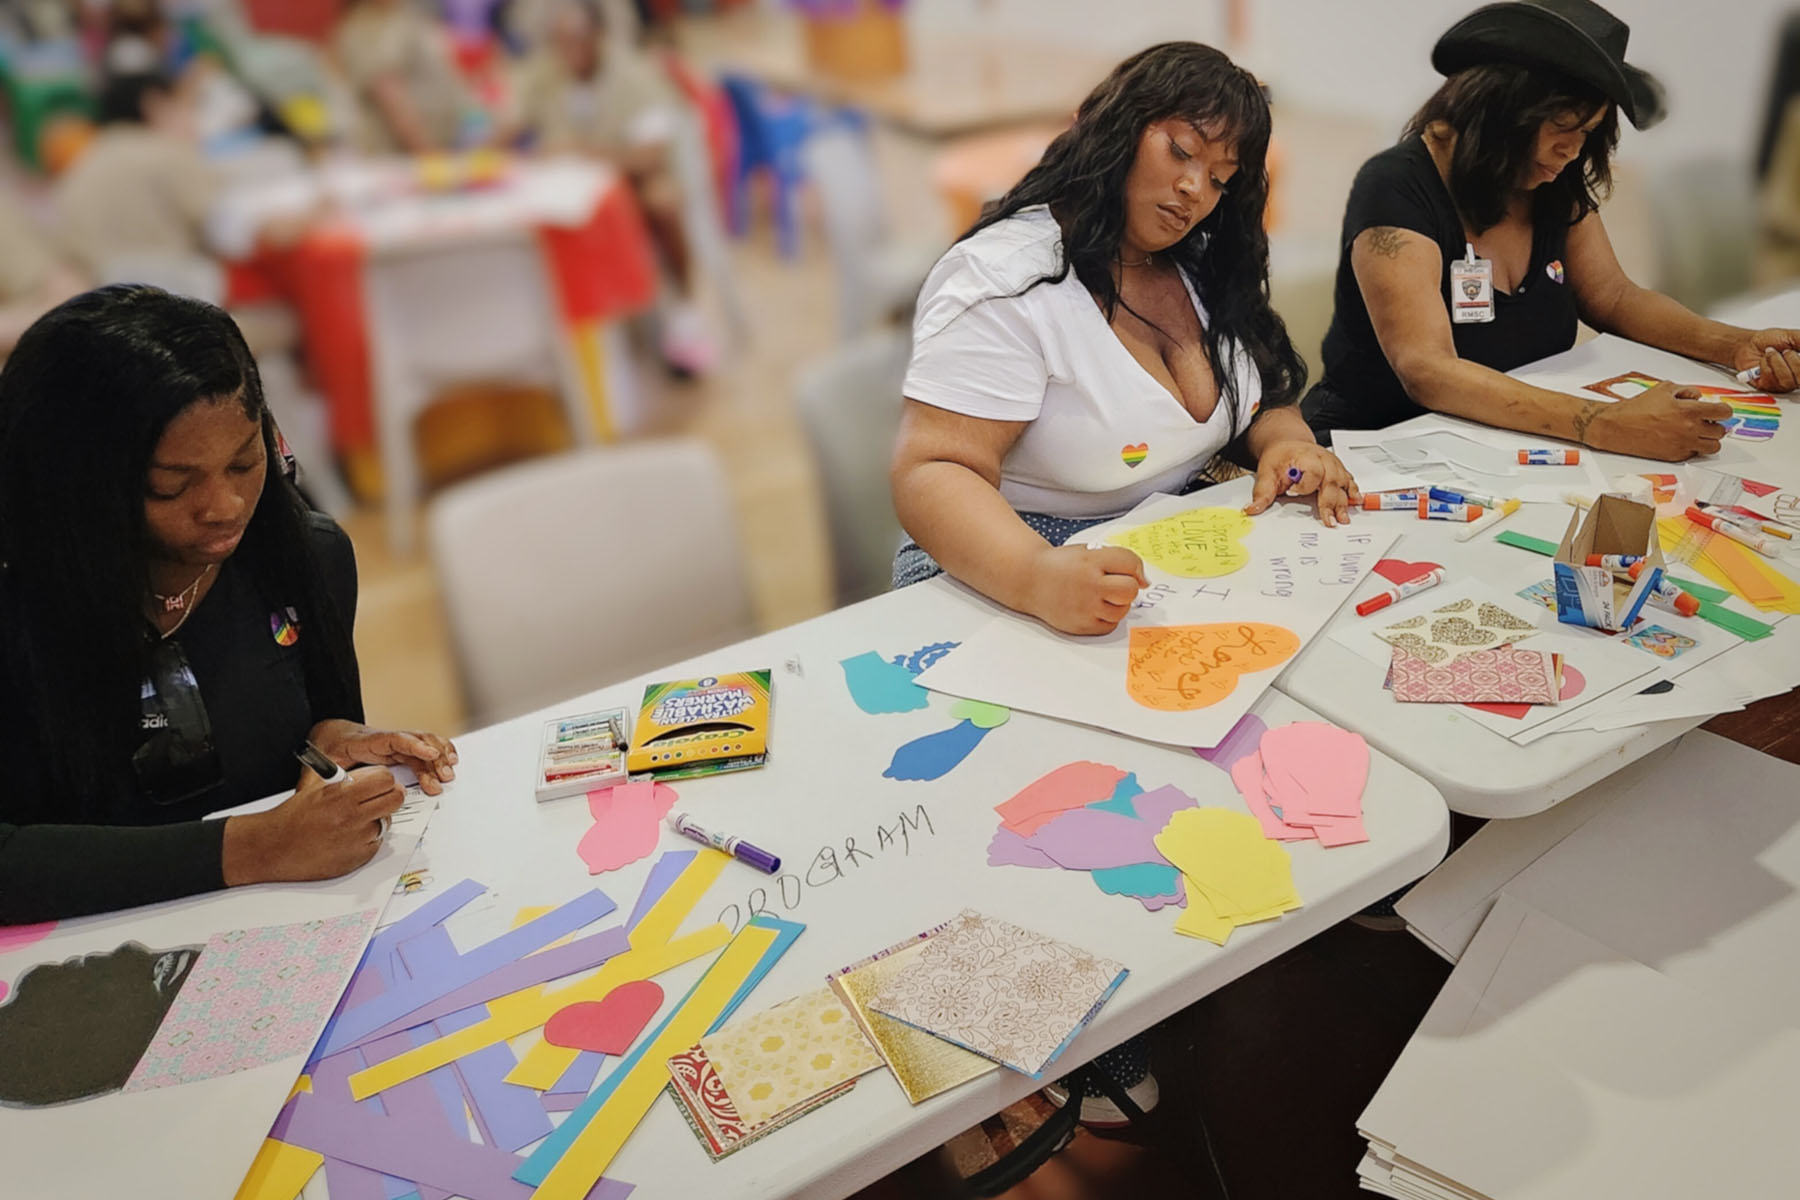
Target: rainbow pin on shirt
[(285, 626), (1134, 456)]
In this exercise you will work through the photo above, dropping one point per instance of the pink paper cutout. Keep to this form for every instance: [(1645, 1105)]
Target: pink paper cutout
[(627, 824), (1247, 774), (1008, 849), (1316, 769), (608, 1025), (1070, 786), (17, 937), (1341, 833), (1396, 570)]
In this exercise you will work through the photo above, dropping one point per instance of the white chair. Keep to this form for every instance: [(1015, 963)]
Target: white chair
[(877, 274), (564, 574), (849, 403), (481, 312)]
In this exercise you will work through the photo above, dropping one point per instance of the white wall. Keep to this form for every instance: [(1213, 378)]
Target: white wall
[(1370, 58)]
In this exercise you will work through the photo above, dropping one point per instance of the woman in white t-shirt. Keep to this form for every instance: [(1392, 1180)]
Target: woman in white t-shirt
[(1102, 334)]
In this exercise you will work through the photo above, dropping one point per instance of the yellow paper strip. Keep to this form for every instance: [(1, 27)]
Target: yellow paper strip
[(594, 1148), (279, 1172), (542, 1066), (673, 906), (504, 1021)]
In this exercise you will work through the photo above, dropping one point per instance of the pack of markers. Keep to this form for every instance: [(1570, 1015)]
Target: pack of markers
[(581, 753)]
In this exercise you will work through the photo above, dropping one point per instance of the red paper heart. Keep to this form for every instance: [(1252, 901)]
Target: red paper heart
[(608, 1025), (1395, 571)]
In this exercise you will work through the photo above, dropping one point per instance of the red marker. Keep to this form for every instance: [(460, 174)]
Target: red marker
[(1738, 533), (1401, 591)]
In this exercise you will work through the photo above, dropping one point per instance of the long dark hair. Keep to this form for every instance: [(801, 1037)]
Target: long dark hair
[(84, 398), (1082, 178), (1496, 110)]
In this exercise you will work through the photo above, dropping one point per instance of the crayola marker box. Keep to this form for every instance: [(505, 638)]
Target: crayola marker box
[(1600, 597), (689, 727)]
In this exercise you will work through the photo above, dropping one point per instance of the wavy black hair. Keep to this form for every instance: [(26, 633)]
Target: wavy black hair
[(1082, 179), (84, 398), (1496, 110)]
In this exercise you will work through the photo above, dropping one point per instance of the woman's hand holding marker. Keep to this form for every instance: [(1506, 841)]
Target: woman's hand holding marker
[(1300, 468), (1085, 589)]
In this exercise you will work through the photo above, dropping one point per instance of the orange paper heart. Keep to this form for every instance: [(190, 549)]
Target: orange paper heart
[(608, 1025), (1178, 668)]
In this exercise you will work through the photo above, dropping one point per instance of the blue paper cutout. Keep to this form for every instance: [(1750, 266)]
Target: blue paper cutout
[(924, 656), (1120, 801), (879, 686), (936, 754), (1142, 880)]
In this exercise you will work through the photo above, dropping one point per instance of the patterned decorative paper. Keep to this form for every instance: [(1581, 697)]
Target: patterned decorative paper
[(256, 996), (772, 1060), (1007, 993), (703, 1101), (1178, 668), (924, 1066), (1507, 675), (1462, 627), (1202, 543), (1664, 643), (1542, 592)]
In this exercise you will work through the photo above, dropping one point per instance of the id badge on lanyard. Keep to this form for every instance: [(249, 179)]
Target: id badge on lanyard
[(1471, 289)]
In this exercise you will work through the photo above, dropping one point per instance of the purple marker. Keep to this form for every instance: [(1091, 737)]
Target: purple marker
[(1295, 475), (738, 848)]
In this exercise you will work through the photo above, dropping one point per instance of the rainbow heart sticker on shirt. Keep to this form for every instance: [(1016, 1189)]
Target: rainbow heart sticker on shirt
[(1134, 456), (286, 628)]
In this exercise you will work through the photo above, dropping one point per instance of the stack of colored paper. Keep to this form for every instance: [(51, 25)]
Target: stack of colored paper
[(1234, 875), (1009, 994), (1305, 780)]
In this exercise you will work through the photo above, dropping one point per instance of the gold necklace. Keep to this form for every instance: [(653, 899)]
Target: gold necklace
[(1144, 262), (180, 600)]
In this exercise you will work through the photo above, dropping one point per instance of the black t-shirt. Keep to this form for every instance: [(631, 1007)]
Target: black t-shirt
[(1401, 187), (262, 675)]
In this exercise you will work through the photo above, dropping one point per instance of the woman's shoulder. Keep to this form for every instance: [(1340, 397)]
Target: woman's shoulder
[(330, 545), (1406, 162), (998, 264)]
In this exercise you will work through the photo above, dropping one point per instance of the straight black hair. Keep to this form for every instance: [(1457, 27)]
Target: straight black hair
[(122, 96), (84, 399), (1082, 179), (1496, 111)]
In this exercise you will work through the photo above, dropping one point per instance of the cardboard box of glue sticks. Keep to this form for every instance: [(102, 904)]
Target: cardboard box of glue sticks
[(1599, 597)]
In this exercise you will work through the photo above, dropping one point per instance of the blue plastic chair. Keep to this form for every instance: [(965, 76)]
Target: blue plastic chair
[(771, 130)]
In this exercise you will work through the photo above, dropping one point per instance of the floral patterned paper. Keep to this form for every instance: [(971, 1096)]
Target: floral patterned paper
[(256, 996), (1462, 627), (1006, 993), (783, 1056), (1508, 675)]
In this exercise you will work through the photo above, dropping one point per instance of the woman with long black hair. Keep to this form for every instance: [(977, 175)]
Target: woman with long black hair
[(175, 622), (1103, 333), (1475, 245)]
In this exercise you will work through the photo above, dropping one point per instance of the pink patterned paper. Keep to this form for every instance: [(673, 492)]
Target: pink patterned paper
[(256, 996), (1507, 675)]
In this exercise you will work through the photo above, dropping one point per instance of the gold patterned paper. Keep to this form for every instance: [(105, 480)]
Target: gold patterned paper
[(775, 1059), (1456, 629), (924, 1065)]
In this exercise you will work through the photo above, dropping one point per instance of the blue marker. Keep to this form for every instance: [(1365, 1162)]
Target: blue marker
[(1446, 496)]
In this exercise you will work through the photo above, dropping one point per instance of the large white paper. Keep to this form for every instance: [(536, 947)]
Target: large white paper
[(195, 1140), (1298, 574)]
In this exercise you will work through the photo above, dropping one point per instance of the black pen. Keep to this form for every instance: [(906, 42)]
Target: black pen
[(321, 763)]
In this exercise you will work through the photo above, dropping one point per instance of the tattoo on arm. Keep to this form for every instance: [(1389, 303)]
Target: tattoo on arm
[(1584, 416), (1387, 240)]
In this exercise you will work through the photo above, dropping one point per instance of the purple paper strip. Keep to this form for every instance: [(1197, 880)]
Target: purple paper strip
[(1243, 738), (555, 1102), (509, 1116), (359, 1024), (365, 985), (578, 1080), (434, 911), (416, 1101), (398, 1147), (661, 876), (554, 963), (1008, 849), (347, 1181)]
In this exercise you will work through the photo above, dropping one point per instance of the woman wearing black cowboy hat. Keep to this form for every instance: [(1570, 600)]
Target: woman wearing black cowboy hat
[(1475, 245)]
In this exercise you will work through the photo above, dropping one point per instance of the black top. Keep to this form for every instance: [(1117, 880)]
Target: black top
[(261, 697), (1401, 187)]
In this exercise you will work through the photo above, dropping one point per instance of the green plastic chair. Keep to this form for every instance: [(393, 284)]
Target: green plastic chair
[(35, 100)]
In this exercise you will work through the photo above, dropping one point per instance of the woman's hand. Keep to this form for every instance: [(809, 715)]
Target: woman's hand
[(1667, 422), (1775, 354), (1078, 590), (431, 757), (320, 832), (1298, 468)]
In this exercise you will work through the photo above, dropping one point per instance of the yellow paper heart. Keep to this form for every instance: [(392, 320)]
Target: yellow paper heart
[(1200, 544)]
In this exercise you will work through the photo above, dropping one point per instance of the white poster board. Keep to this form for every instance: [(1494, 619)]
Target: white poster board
[(1297, 575), (1447, 453)]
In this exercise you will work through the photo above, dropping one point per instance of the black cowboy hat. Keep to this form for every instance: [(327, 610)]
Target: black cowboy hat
[(1576, 38)]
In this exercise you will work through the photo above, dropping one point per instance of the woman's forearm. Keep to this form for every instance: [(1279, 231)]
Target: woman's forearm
[(962, 521), (1460, 388), (1272, 425)]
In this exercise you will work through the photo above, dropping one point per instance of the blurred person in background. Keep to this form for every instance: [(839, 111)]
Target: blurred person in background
[(399, 65), (1777, 257), (174, 623), (1506, 165), (33, 277), (142, 190), (1118, 296), (583, 92)]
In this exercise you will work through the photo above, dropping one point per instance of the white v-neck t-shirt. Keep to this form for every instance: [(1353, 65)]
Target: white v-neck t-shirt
[(1103, 433)]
